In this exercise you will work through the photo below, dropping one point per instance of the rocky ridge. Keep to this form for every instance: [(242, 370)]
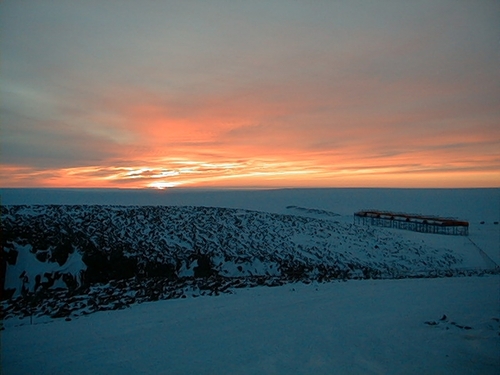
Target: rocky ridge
[(70, 260)]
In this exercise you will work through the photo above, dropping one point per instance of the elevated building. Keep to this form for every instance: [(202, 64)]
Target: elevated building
[(414, 222)]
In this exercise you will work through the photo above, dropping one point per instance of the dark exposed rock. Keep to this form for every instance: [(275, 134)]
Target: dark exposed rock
[(152, 269), (7, 294), (10, 256), (61, 251), (204, 268)]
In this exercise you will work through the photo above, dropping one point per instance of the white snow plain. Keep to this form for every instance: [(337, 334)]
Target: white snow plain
[(353, 327)]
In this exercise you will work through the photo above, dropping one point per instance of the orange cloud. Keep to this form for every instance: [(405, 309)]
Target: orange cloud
[(258, 143), (251, 95)]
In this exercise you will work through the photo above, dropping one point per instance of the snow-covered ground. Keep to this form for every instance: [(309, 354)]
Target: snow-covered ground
[(353, 327)]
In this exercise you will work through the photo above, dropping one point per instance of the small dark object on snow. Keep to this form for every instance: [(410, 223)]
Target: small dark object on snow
[(482, 222), (68, 319), (444, 317), (461, 326)]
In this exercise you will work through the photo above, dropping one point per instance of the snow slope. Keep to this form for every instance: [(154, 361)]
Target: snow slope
[(474, 205), (353, 327), (143, 253)]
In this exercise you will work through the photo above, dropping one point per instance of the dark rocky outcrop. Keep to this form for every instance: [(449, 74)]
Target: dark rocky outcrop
[(126, 255)]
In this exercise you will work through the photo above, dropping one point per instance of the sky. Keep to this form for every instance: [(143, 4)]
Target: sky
[(159, 94)]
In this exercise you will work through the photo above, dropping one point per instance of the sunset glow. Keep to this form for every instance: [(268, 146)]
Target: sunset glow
[(285, 94)]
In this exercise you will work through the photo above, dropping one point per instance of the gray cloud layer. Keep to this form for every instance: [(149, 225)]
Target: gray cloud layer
[(78, 77)]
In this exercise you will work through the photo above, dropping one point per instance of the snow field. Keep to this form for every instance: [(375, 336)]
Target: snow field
[(353, 327)]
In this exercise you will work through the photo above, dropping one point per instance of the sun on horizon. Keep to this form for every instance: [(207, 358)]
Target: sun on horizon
[(196, 94)]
